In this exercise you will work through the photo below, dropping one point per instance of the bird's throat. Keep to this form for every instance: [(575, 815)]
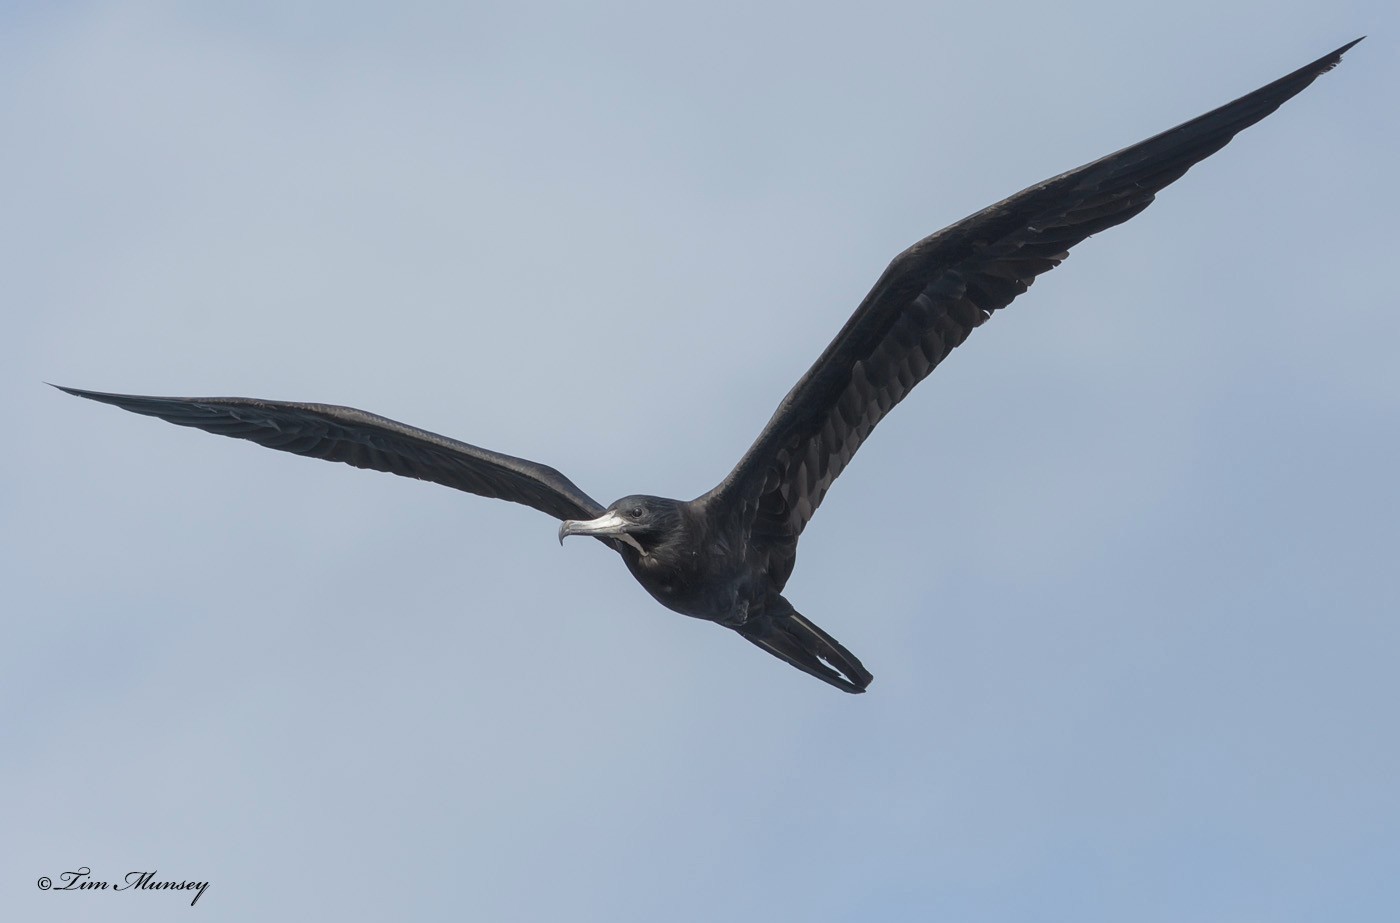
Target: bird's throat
[(629, 540)]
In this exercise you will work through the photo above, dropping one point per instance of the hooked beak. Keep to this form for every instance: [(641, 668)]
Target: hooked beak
[(610, 523)]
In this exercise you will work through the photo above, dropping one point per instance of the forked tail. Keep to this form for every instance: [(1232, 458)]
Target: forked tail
[(794, 639)]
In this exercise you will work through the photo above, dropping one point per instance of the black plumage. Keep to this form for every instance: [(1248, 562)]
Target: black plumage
[(726, 556)]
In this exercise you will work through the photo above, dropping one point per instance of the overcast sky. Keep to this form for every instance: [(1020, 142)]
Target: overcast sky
[(1124, 568)]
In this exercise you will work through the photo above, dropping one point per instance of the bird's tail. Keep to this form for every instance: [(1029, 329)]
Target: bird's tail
[(794, 639)]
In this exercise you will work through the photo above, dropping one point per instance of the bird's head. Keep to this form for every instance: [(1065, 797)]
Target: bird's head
[(640, 521)]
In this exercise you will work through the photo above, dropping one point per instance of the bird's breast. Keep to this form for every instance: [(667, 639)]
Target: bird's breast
[(693, 584)]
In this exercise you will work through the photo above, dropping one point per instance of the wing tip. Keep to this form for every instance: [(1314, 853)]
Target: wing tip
[(1329, 61), (76, 392), (99, 396)]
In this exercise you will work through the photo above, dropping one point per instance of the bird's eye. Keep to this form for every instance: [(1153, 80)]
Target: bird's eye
[(636, 512)]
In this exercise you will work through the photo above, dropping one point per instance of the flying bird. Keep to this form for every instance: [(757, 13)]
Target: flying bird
[(726, 556)]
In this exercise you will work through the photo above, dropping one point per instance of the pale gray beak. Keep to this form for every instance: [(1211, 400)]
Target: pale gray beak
[(610, 523)]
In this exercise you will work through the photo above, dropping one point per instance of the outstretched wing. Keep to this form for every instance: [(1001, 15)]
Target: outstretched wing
[(365, 440), (933, 294)]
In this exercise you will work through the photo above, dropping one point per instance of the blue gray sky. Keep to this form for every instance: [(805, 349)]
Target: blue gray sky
[(1124, 567)]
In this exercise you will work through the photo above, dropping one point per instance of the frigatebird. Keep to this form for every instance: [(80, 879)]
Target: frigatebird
[(726, 555)]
